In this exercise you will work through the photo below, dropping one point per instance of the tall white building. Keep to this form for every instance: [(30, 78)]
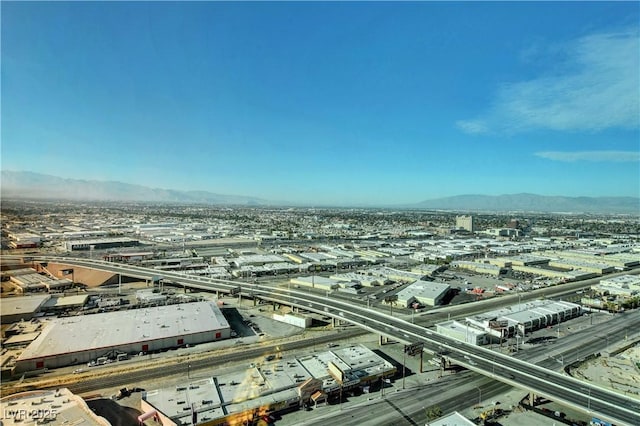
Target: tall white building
[(465, 222)]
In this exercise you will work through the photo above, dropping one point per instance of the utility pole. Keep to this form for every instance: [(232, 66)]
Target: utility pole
[(404, 355)]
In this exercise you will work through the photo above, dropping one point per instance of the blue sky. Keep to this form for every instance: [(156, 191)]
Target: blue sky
[(327, 103)]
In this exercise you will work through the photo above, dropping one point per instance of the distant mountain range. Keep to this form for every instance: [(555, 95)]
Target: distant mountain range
[(535, 203), (29, 185)]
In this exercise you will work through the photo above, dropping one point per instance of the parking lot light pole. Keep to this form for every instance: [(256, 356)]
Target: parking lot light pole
[(404, 354)]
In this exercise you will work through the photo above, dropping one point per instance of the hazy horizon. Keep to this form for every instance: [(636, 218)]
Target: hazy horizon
[(332, 103)]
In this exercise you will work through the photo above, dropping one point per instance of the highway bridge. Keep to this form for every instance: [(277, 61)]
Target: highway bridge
[(605, 404)]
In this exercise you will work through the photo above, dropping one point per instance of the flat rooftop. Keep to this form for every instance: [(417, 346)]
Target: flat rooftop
[(621, 281), (423, 289), (461, 328), (66, 301), (526, 311), (21, 339), (22, 304), (58, 407), (21, 271), (103, 241), (262, 383), (88, 332)]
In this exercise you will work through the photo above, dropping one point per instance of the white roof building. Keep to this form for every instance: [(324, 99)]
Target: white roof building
[(527, 316), (80, 339), (424, 292), (314, 281), (625, 285), (362, 279)]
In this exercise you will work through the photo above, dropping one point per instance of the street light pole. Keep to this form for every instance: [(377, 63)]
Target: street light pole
[(404, 354), (588, 398), (493, 366), (479, 395)]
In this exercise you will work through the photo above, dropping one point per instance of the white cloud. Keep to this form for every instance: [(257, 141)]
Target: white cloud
[(473, 126), (599, 88), (599, 156)]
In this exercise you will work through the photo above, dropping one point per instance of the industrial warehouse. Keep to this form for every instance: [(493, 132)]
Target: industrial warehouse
[(513, 320), (100, 337), (424, 293), (245, 396)]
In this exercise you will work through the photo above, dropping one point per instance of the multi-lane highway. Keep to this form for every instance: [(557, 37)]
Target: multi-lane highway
[(606, 404)]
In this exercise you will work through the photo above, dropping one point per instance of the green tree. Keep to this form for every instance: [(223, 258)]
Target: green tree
[(433, 413)]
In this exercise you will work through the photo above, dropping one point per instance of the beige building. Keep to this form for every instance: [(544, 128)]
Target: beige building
[(466, 223), (52, 407)]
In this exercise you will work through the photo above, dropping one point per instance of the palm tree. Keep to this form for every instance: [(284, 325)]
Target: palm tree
[(391, 300)]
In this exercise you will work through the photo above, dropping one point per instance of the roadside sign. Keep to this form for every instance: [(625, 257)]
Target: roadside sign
[(414, 348)]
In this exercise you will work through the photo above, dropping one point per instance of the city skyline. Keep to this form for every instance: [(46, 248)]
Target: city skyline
[(327, 103)]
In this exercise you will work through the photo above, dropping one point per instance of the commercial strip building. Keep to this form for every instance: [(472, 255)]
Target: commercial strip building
[(28, 280), (574, 275), (242, 397), (614, 294), (516, 319), (572, 264), (616, 259), (428, 270), (19, 308), (128, 257), (23, 240), (256, 260), (60, 303), (86, 338), (314, 281), (397, 275), (478, 267), (362, 279), (269, 269), (464, 332), (625, 285), (101, 243), (52, 407)]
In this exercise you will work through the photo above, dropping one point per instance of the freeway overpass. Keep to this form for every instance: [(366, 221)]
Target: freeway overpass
[(604, 403)]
